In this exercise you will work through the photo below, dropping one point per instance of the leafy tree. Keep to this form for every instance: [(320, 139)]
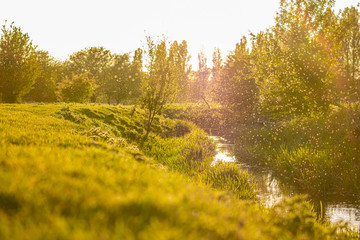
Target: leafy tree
[(18, 65), (216, 73), (182, 69), (93, 61), (159, 83), (293, 66), (77, 88), (348, 33), (136, 75), (115, 86), (236, 88), (201, 78), (44, 89), (123, 78)]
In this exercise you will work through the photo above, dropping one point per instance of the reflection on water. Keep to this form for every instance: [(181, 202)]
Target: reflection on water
[(223, 150), (339, 211), (271, 191)]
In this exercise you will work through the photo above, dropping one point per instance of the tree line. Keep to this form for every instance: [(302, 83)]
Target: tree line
[(308, 61), (94, 74), (28, 74)]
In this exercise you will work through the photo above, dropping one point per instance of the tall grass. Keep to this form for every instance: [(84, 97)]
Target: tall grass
[(85, 172), (230, 177), (320, 152)]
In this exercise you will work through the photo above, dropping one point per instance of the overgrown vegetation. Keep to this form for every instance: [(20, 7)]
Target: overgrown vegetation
[(216, 119), (318, 152), (290, 102), (75, 171)]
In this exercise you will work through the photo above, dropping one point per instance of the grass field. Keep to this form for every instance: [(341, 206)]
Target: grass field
[(87, 172)]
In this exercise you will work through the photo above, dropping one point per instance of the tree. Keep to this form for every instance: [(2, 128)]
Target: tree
[(294, 69), (182, 68), (159, 83), (44, 89), (18, 65), (216, 73), (201, 78), (136, 75), (123, 78), (236, 88), (77, 88), (94, 61), (348, 33), (116, 84)]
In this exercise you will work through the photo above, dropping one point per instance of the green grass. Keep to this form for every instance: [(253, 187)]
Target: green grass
[(319, 153), (215, 119), (86, 172)]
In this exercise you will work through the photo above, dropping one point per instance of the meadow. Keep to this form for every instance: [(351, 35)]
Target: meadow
[(80, 171)]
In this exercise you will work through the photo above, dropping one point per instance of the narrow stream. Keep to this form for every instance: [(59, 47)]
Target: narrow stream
[(336, 209)]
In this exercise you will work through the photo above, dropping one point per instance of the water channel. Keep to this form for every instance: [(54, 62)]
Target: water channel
[(335, 208)]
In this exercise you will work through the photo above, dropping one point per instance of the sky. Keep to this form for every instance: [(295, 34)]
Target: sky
[(66, 26)]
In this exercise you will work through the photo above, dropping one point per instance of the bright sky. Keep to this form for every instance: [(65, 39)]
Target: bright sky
[(66, 26)]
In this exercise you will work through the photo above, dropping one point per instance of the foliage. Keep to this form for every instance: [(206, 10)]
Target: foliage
[(44, 88), (18, 64), (200, 84), (236, 89), (94, 62), (216, 70), (183, 69), (215, 120), (318, 153), (77, 88), (296, 217), (117, 85), (165, 69), (230, 176), (136, 75), (293, 68), (347, 35)]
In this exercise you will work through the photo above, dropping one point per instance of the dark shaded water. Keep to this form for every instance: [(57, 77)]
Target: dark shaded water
[(335, 208)]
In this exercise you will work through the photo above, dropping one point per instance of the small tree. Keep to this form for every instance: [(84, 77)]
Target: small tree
[(159, 84), (18, 64)]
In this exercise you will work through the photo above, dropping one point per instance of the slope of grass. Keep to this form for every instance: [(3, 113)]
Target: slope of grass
[(86, 172)]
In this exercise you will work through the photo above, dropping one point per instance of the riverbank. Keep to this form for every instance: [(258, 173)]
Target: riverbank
[(86, 172), (318, 153), (258, 147), (271, 190)]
